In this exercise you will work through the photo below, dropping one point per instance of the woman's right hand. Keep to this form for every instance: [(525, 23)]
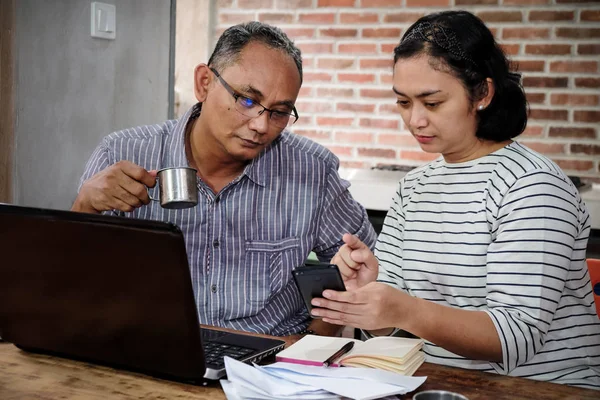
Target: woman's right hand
[(356, 263)]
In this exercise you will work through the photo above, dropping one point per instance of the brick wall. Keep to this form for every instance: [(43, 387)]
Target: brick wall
[(346, 102)]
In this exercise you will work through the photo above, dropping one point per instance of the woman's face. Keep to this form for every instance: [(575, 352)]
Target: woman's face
[(435, 107)]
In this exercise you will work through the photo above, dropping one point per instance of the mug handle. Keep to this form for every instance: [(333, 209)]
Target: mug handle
[(148, 190)]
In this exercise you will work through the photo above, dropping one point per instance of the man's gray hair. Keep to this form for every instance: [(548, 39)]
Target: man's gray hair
[(234, 39)]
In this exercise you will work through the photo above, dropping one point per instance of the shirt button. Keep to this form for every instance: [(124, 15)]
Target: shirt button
[(216, 243), (213, 288)]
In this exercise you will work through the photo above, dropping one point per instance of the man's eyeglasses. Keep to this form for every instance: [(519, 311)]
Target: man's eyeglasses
[(251, 108)]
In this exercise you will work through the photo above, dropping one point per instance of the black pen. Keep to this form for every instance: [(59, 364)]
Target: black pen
[(345, 348)]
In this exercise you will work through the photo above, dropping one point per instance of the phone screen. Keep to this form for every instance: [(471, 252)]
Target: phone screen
[(313, 279)]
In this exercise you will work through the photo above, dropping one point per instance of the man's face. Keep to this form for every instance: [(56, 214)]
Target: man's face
[(262, 75)]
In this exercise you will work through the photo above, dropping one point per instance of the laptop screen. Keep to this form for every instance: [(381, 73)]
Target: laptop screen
[(106, 289)]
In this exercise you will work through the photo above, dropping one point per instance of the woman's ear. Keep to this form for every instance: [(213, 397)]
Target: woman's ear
[(202, 79), (487, 99)]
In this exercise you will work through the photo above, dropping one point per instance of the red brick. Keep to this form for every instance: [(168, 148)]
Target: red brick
[(590, 149), (418, 155), (377, 93), (224, 3), (572, 132), (356, 78), (337, 32), (315, 47), (403, 17), (293, 4), (341, 150), (526, 33), (295, 33), (386, 78), (530, 65), (574, 99), (587, 82), (380, 3), (510, 49), (316, 18), (578, 33), (389, 109), (427, 3), (549, 82), (574, 165), (533, 131), (379, 123), (546, 148), (379, 153), (276, 18), (397, 139), (548, 114), (335, 121), (501, 16), (574, 66), (548, 49), (547, 15), (305, 91), (377, 63), (335, 63), (234, 18), (304, 120), (586, 116), (334, 92), (358, 18), (588, 49), (313, 134), (317, 77), (536, 98), (382, 33), (353, 137), (388, 47), (475, 2), (355, 107), (255, 3), (336, 3), (590, 15), (353, 48), (524, 2), (314, 106), (353, 164)]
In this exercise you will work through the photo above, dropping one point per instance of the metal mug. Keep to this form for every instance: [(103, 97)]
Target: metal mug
[(438, 395), (177, 186)]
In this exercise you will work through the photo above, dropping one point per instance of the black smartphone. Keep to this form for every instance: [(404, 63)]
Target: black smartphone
[(312, 279)]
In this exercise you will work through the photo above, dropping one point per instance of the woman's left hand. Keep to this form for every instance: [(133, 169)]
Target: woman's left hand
[(373, 306)]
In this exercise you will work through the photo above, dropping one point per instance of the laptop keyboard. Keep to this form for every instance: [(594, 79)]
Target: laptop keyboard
[(214, 353)]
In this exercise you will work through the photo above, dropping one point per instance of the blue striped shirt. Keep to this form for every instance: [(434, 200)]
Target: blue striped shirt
[(505, 234), (243, 242)]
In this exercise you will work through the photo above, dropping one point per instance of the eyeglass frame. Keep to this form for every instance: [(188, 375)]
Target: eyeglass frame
[(236, 95)]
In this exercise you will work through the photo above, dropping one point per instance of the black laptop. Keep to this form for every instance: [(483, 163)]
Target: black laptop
[(110, 290)]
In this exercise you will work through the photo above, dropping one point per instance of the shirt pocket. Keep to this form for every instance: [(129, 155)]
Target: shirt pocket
[(268, 269)]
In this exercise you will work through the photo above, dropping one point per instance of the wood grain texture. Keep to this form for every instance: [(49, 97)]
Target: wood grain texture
[(6, 98), (32, 376)]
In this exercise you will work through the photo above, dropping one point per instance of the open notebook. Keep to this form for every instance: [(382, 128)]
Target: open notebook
[(400, 355)]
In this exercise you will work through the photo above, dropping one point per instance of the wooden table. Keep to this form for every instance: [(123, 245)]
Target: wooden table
[(32, 376)]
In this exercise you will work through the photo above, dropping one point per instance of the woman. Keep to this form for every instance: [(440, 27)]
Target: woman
[(482, 253)]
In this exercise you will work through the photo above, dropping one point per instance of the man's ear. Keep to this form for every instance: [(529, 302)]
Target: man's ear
[(203, 77)]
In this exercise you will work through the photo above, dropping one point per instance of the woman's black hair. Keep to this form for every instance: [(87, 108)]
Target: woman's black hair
[(467, 48)]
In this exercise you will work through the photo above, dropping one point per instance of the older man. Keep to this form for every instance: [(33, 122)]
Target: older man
[(267, 198)]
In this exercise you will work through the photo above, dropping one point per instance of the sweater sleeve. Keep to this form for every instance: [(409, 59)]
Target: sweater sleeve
[(534, 228)]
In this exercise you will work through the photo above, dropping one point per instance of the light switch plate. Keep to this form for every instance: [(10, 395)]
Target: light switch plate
[(103, 21)]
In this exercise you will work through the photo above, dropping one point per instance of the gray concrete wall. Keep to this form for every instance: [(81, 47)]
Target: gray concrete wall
[(72, 89)]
